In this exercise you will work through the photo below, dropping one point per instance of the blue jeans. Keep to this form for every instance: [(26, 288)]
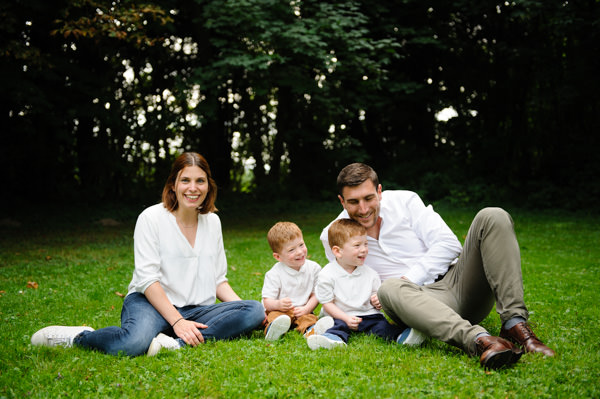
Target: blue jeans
[(141, 322)]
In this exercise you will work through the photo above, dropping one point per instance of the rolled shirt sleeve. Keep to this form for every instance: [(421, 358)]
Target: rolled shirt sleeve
[(146, 254)]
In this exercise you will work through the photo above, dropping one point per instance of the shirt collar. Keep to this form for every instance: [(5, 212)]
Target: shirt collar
[(356, 272), (291, 271)]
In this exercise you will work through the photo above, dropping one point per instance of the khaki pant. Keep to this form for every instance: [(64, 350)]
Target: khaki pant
[(488, 271), (301, 323)]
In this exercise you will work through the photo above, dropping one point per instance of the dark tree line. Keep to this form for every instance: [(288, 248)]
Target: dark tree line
[(99, 96)]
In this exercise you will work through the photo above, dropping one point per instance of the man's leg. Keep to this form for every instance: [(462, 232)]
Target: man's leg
[(426, 311), (421, 309), (488, 270)]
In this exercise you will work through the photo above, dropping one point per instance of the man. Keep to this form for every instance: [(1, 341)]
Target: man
[(432, 284)]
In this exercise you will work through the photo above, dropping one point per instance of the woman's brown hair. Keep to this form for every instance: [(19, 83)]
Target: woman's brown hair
[(169, 198)]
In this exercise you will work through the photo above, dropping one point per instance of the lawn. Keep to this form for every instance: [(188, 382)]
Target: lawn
[(66, 268)]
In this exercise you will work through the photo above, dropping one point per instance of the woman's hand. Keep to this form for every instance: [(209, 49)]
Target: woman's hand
[(189, 332)]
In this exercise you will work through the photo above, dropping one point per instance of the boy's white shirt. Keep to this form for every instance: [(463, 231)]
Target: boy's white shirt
[(283, 281), (351, 292)]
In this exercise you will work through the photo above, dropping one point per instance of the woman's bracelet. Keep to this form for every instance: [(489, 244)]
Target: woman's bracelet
[(173, 325)]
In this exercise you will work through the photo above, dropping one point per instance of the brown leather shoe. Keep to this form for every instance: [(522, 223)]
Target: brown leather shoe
[(521, 334), (496, 352)]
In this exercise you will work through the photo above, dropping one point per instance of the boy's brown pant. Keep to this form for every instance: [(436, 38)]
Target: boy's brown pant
[(301, 323)]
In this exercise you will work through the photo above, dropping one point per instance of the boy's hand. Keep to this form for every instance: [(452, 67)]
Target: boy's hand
[(353, 322), (375, 302), (300, 311), (285, 304)]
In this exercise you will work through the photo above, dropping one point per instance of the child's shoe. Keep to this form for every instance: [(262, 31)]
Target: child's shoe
[(327, 341), (319, 328), (57, 335), (162, 341), (278, 327), (411, 337)]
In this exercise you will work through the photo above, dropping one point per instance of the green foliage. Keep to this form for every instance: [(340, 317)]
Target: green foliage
[(79, 265), (280, 95)]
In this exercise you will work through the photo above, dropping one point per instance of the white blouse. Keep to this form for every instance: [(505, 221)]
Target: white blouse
[(189, 276)]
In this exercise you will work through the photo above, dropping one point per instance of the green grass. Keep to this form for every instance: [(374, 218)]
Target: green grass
[(79, 267)]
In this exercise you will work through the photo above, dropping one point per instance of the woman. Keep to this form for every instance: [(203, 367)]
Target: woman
[(180, 270)]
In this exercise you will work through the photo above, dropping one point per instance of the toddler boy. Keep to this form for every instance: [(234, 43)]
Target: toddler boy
[(288, 289), (348, 291)]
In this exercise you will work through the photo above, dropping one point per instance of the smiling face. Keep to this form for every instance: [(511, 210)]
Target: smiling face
[(293, 253), (353, 253), (191, 187), (362, 204)]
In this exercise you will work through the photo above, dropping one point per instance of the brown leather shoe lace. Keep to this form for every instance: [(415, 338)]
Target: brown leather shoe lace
[(524, 336)]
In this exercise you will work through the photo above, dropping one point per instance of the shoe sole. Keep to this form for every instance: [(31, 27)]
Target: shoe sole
[(154, 347), (322, 325), (498, 360), (318, 341), (415, 338), (278, 327)]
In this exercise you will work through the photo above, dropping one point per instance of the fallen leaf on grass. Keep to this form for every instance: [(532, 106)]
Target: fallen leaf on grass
[(32, 284), (117, 293)]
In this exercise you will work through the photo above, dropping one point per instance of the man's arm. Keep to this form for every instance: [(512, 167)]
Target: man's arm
[(443, 246)]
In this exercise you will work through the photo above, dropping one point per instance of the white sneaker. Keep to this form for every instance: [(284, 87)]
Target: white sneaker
[(322, 325), (321, 341), (278, 327), (411, 337), (162, 341), (57, 335)]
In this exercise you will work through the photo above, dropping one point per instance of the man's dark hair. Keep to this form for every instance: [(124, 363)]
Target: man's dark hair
[(356, 174)]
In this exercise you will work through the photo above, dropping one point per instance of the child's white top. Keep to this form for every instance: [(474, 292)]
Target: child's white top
[(351, 292), (189, 276), (283, 281)]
